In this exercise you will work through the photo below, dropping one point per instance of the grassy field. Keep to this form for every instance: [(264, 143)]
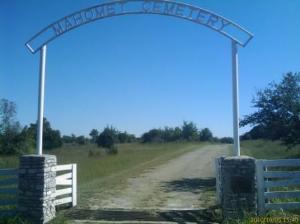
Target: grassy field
[(93, 163), (263, 149)]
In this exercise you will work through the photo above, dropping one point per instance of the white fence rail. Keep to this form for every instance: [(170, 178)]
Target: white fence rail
[(8, 192), (272, 174), (66, 184)]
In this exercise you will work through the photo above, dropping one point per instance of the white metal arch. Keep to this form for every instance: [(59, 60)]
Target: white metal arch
[(231, 30)]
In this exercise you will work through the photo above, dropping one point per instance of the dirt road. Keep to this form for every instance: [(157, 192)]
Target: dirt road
[(186, 182)]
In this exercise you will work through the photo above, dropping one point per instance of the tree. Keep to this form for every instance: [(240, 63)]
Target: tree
[(51, 138), (94, 135), (69, 139), (107, 139), (124, 137), (171, 134), (154, 135), (189, 131), (278, 111), (205, 135), (81, 140), (226, 140), (8, 113), (256, 132), (13, 139)]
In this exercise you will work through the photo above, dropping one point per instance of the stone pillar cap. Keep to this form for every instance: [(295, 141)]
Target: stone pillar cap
[(239, 158)]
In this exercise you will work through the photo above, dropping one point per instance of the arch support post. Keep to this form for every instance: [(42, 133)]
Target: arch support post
[(235, 98), (42, 71)]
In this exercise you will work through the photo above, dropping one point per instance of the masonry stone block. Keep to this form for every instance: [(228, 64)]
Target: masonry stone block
[(36, 190), (238, 186)]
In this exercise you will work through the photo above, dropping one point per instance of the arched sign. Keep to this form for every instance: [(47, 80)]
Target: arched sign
[(231, 30), (128, 7)]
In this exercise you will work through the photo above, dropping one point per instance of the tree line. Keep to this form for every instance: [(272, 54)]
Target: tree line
[(15, 139), (277, 117)]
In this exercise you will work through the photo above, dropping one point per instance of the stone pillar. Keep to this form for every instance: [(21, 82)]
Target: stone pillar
[(37, 188), (238, 187)]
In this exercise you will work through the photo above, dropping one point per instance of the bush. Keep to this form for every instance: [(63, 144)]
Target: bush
[(12, 142), (154, 135), (107, 139), (81, 140), (124, 137), (205, 135), (51, 138), (226, 140)]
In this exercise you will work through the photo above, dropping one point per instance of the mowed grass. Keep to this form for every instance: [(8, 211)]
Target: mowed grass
[(264, 149)]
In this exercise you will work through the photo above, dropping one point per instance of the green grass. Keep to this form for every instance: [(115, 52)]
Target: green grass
[(101, 165), (263, 149), (91, 168)]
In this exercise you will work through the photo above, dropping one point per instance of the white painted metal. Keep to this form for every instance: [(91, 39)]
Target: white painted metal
[(74, 185), (282, 194), (64, 182), (282, 162), (282, 183), (39, 146), (260, 188), (63, 201), (66, 179), (63, 191), (278, 206), (282, 174), (235, 98), (63, 167), (64, 176), (286, 178)]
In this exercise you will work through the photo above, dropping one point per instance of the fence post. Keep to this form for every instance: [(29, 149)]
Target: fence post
[(260, 187), (74, 185)]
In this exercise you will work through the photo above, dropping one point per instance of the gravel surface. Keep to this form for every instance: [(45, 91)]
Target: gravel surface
[(184, 183)]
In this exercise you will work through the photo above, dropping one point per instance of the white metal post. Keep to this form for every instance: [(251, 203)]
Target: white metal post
[(74, 185), (235, 98), (39, 137)]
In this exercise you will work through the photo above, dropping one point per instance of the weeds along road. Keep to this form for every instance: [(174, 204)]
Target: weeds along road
[(186, 182)]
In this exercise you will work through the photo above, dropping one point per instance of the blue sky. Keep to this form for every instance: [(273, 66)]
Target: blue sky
[(143, 71)]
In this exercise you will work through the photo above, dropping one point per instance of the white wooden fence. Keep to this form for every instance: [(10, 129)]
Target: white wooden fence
[(8, 192), (66, 184), (269, 178)]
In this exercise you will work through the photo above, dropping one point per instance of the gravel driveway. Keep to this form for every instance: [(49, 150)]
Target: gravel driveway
[(186, 182)]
